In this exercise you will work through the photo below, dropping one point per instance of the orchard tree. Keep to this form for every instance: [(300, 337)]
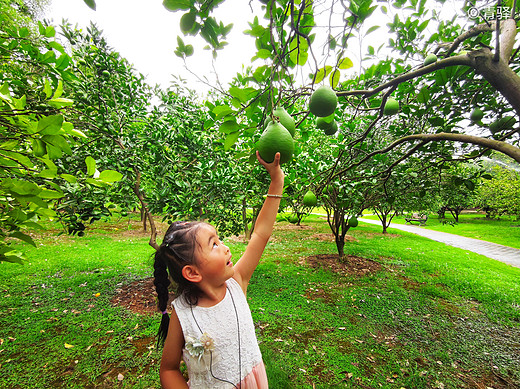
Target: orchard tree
[(500, 195), (35, 133), (457, 188)]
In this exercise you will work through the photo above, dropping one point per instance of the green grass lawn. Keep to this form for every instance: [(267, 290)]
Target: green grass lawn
[(505, 231), (431, 316)]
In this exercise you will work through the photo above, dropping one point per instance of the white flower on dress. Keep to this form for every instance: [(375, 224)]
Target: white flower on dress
[(197, 347)]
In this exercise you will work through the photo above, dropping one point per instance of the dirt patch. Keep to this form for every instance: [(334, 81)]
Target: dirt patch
[(292, 227), (350, 264), (138, 296), (329, 237)]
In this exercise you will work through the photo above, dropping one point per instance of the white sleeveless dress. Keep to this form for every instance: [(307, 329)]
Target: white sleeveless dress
[(213, 353)]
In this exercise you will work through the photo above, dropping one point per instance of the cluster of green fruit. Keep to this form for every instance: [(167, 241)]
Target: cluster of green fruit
[(501, 124), (322, 104)]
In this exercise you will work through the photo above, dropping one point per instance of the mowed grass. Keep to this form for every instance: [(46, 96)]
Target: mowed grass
[(433, 316), (505, 231)]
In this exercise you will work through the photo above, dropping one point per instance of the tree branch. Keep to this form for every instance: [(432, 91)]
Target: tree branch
[(477, 30), (462, 59)]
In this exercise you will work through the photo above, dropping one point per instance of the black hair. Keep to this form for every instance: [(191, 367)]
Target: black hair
[(176, 251)]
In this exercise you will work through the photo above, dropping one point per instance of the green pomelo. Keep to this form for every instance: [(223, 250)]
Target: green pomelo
[(332, 129), (501, 124), (285, 119), (324, 123), (293, 219), (187, 21), (275, 139), (310, 200), (430, 58), (329, 189), (391, 107), (353, 222), (323, 101), (476, 115)]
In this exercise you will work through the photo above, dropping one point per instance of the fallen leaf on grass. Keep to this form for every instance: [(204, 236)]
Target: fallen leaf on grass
[(68, 345)]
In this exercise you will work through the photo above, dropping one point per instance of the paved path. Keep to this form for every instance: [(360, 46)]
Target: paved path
[(499, 252)]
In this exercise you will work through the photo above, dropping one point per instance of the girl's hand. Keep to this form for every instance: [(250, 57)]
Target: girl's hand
[(272, 168)]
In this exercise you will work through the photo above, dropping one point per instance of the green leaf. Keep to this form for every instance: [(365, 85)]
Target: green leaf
[(54, 152), (263, 53), (61, 102), (97, 183), (345, 63), (50, 32), (110, 176), (20, 158), (62, 62), (208, 124), (59, 90), (372, 29), (23, 188), (322, 73), (229, 126), (23, 32), (69, 178), (334, 78), (176, 5), (58, 141), (41, 28), (180, 43), (242, 94), (56, 46), (50, 125), (424, 95), (298, 51), (441, 77), (47, 89), (48, 173), (221, 110), (12, 256), (50, 194), (230, 140), (469, 184), (91, 165), (332, 43), (91, 4)]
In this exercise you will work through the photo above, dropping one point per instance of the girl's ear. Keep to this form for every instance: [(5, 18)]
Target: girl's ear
[(191, 273)]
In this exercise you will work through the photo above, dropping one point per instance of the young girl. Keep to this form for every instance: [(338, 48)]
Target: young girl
[(211, 327)]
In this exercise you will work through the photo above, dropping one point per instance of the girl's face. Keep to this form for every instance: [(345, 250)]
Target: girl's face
[(213, 257)]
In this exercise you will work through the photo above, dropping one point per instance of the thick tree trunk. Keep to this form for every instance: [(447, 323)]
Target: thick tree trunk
[(499, 75), (340, 245)]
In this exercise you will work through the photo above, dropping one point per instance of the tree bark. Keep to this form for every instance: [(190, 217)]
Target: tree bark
[(139, 194)]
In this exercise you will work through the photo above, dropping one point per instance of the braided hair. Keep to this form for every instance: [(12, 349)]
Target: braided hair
[(176, 251)]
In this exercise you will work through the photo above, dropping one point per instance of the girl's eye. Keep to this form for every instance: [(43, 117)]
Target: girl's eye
[(215, 244)]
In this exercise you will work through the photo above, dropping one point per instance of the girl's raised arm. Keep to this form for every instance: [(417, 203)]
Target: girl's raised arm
[(264, 224)]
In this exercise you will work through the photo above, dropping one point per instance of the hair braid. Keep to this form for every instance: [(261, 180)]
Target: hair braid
[(161, 282)]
